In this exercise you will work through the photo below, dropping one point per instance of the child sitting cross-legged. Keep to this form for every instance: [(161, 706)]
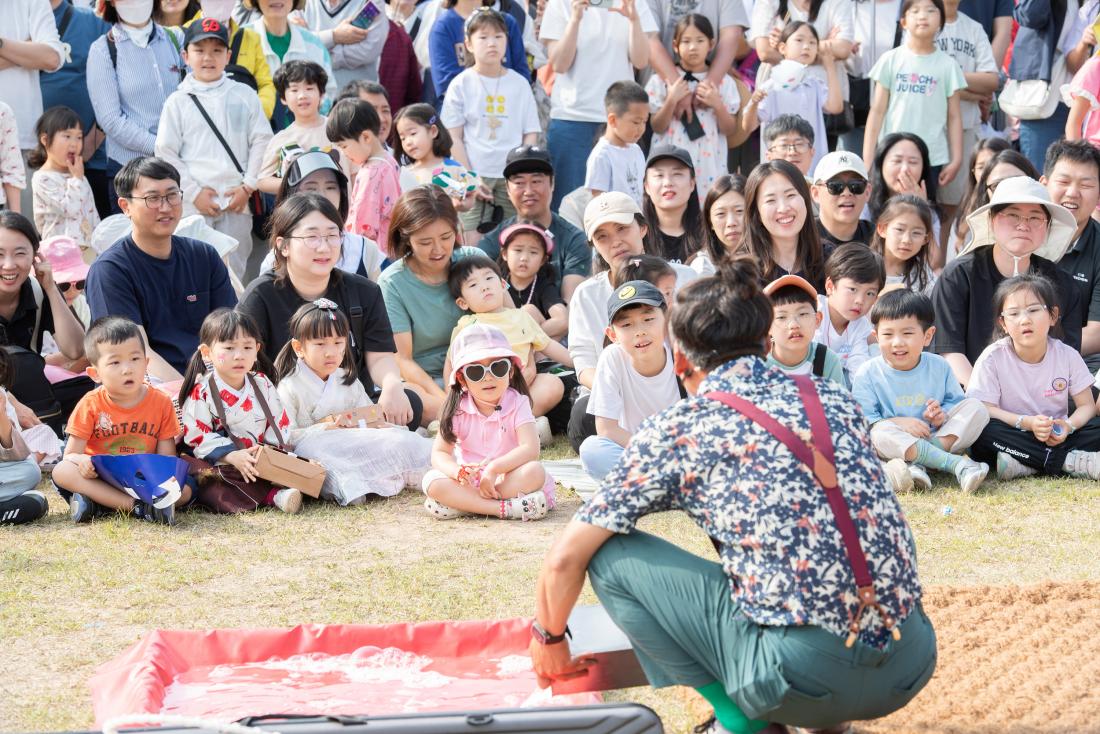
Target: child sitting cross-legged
[(477, 286), (124, 415), (634, 375), (486, 457), (854, 275), (794, 304), (919, 417)]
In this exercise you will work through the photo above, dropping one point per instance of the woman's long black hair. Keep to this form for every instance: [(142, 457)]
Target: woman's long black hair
[(880, 192), (695, 233)]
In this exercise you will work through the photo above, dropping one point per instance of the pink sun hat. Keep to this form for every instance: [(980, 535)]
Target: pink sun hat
[(477, 342), (66, 258)]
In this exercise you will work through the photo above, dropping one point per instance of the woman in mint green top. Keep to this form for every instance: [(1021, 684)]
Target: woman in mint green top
[(423, 236)]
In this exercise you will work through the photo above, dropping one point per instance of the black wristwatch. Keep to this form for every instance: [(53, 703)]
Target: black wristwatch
[(545, 638)]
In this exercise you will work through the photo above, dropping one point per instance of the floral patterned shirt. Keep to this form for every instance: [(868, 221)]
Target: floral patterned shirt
[(781, 550)]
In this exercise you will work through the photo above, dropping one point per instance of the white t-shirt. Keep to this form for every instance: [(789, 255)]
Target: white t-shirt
[(720, 13), (622, 394), (615, 168), (832, 14), (851, 346), (27, 20), (601, 60), (495, 114), (885, 14), (966, 41)]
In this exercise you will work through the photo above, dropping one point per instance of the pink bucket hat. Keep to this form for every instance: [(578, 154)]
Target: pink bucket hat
[(64, 255), (477, 342)]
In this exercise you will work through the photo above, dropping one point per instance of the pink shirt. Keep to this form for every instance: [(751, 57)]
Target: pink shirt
[(1086, 85), (482, 437), (375, 192), (1046, 388)]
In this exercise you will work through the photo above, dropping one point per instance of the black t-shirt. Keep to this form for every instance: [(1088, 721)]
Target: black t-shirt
[(672, 247), (19, 330), (542, 293), (864, 232), (963, 300), (1082, 263), (272, 304)]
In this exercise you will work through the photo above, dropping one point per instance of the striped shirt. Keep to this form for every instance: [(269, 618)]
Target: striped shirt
[(128, 99)]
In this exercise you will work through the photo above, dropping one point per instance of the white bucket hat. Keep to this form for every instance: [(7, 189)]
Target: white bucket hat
[(1024, 190)]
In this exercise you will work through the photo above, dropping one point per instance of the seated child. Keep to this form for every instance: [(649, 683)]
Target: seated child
[(124, 415), (919, 417), (486, 457), (318, 379), (20, 500), (794, 303), (853, 277), (1027, 378), (617, 163), (477, 287), (531, 281), (634, 375), (226, 406)]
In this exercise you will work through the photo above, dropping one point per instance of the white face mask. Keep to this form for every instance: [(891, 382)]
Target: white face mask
[(217, 9), (134, 12)]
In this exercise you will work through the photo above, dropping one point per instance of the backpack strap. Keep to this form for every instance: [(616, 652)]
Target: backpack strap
[(266, 410), (66, 19), (680, 387), (217, 133), (39, 298), (112, 48), (356, 316), (220, 407), (820, 352), (819, 458), (235, 46)]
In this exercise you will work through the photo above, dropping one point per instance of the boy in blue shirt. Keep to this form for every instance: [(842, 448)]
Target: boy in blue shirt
[(919, 416)]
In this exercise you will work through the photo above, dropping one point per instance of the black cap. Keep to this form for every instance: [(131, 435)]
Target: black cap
[(662, 152), (203, 28), (633, 293), (528, 159)]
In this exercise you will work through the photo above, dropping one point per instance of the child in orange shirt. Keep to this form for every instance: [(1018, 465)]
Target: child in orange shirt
[(124, 415)]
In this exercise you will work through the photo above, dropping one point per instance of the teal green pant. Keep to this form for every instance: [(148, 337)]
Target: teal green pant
[(686, 630)]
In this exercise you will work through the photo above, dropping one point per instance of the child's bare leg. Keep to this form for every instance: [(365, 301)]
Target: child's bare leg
[(68, 477), (946, 442), (185, 496), (546, 392), (459, 497), (524, 479)]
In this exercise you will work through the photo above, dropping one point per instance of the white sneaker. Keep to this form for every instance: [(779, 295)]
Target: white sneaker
[(970, 474), (288, 500), (442, 512), (1083, 464), (1009, 468), (921, 480), (542, 425), (897, 471), (526, 507)]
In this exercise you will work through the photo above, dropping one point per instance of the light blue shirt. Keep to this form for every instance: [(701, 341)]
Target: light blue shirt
[(884, 392)]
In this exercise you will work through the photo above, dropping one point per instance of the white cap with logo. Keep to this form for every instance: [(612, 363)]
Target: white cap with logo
[(838, 162)]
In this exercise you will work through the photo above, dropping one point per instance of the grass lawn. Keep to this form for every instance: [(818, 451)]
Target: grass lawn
[(73, 597)]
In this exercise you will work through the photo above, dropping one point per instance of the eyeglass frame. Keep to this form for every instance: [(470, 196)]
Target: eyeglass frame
[(319, 237), (486, 369), (1030, 312), (160, 198), (791, 147)]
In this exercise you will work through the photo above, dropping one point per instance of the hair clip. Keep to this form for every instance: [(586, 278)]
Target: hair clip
[(433, 120), (327, 306)]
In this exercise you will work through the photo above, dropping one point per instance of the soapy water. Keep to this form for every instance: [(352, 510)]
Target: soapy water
[(370, 680)]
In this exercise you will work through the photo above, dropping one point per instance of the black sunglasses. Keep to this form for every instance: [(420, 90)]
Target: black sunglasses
[(64, 287), (477, 372), (836, 188)]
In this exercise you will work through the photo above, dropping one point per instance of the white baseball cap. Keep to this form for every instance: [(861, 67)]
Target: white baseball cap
[(610, 206), (839, 162)]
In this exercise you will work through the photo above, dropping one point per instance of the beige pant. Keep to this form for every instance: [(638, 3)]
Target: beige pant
[(966, 421), (952, 193)]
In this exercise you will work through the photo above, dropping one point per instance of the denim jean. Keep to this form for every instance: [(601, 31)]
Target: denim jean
[(599, 455), (569, 142), (1037, 135)]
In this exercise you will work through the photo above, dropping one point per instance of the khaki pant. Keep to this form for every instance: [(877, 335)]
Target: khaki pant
[(966, 421), (952, 193)]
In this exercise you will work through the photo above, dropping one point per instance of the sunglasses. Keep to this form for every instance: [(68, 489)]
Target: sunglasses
[(836, 188), (64, 287), (477, 372)]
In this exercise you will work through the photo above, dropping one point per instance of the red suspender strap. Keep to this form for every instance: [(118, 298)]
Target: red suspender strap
[(819, 457)]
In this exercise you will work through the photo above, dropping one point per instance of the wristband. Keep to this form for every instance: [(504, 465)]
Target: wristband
[(1070, 427), (1020, 423)]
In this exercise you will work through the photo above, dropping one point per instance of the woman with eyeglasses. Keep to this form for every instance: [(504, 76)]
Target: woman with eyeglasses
[(1002, 165), (306, 235), (424, 240), (1019, 231)]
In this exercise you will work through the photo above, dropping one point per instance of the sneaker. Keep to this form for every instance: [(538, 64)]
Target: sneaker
[(921, 481), (526, 507), (897, 471), (23, 509), (83, 509), (433, 429), (970, 474), (151, 513), (288, 500), (542, 425), (1009, 468), (1083, 464), (442, 512)]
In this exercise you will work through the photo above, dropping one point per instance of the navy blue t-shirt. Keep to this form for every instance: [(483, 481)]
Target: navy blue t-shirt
[(170, 298), (984, 11)]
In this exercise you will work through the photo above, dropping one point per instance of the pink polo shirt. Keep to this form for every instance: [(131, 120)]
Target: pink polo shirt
[(485, 437)]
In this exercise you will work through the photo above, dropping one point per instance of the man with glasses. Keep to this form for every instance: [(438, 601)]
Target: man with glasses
[(790, 138), (841, 191), (530, 179), (164, 283)]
